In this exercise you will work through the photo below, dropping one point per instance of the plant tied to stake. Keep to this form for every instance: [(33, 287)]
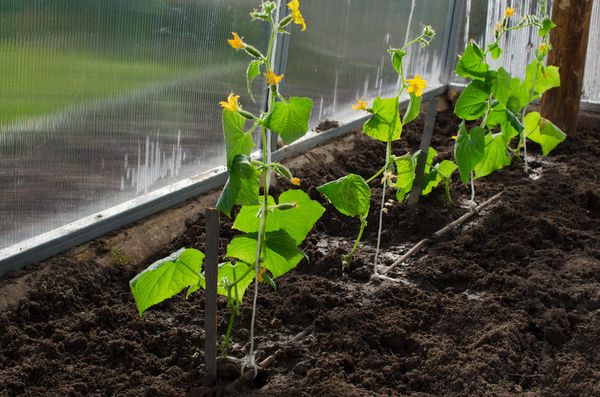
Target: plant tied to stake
[(501, 101), (273, 229), (351, 194)]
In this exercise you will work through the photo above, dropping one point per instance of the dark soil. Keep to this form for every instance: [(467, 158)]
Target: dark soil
[(508, 306)]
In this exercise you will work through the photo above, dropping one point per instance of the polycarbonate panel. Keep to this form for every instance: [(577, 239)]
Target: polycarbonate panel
[(479, 25), (342, 56), (104, 100), (591, 83)]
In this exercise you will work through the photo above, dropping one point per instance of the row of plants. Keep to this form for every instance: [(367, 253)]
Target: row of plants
[(495, 129)]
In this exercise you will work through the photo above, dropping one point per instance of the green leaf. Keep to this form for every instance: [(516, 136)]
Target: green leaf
[(469, 150), (495, 158), (281, 254), (545, 78), (406, 169), (166, 278), (495, 50), (242, 187), (414, 108), (473, 101), (397, 57), (252, 73), (441, 172), (236, 141), (298, 221), (385, 123), (350, 195), (472, 63), (241, 272), (519, 96), (543, 132), (290, 120), (501, 86), (547, 26), (508, 122)]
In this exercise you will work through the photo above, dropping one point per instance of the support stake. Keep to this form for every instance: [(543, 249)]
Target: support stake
[(569, 48), (211, 267), (417, 187)]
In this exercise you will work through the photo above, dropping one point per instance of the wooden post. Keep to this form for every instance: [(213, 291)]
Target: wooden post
[(417, 187), (211, 266), (569, 48)]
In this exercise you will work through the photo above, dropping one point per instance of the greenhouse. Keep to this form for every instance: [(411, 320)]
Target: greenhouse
[(300, 198)]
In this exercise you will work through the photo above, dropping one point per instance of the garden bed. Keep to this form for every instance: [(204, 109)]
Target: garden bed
[(507, 306)]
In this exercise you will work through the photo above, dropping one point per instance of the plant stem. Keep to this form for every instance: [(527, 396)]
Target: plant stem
[(227, 337), (388, 160), (346, 258), (371, 179), (448, 195), (266, 156)]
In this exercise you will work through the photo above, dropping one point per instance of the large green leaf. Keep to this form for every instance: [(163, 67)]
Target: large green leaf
[(350, 195), (473, 101), (406, 169), (242, 273), (385, 123), (166, 278), (290, 120), (252, 73), (236, 141), (543, 132), (297, 221), (506, 120), (281, 254), (495, 158), (472, 63), (469, 150), (242, 187)]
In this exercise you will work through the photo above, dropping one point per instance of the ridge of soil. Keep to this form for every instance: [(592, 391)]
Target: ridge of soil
[(508, 306)]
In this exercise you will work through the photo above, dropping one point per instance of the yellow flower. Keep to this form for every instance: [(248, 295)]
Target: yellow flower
[(295, 181), (232, 103), (294, 6), (509, 12), (544, 47), (236, 42), (272, 78), (360, 105), (261, 272), (454, 137), (416, 85)]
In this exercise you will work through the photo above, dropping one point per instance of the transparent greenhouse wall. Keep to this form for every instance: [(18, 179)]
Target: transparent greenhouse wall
[(479, 23), (102, 101), (342, 56)]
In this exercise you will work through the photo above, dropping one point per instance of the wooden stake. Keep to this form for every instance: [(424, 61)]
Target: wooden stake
[(211, 266), (569, 49), (415, 193)]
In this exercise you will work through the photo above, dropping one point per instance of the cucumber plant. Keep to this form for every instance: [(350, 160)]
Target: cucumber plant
[(500, 101), (351, 194), (271, 230)]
